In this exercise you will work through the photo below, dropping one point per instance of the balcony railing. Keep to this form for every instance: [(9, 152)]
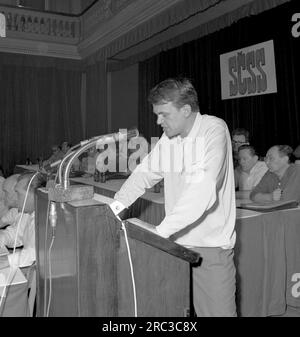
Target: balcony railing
[(21, 23)]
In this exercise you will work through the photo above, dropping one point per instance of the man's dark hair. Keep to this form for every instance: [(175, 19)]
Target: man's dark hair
[(179, 91), (251, 149), (297, 152), (285, 150), (241, 132)]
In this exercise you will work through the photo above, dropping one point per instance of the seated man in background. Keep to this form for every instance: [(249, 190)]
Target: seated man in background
[(249, 172), (26, 233), (57, 154), (66, 149), (88, 162), (282, 180), (239, 137), (296, 154), (10, 201), (3, 208)]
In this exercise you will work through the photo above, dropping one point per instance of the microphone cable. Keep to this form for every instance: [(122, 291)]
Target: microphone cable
[(130, 264), (45, 258), (46, 261), (50, 271)]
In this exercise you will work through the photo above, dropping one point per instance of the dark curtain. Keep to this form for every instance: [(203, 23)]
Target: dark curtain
[(149, 71), (272, 118), (96, 99), (39, 107)]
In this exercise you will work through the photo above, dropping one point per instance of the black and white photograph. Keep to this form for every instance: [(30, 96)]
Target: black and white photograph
[(149, 163)]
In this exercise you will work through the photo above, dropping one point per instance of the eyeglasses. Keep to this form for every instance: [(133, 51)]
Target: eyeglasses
[(239, 142)]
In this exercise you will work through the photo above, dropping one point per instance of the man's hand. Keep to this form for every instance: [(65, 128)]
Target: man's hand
[(277, 194)]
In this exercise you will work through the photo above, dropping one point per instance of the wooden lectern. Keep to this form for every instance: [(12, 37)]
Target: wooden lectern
[(87, 269)]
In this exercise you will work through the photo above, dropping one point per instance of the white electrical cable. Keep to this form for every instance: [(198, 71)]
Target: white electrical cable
[(13, 269), (50, 275), (45, 257), (117, 207), (131, 266)]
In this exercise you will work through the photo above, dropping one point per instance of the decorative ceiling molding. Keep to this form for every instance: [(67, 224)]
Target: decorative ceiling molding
[(100, 25)]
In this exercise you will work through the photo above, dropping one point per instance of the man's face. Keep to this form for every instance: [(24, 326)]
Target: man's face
[(246, 160), (65, 147), (170, 118), (274, 161), (55, 149), (10, 196), (237, 141), (20, 189)]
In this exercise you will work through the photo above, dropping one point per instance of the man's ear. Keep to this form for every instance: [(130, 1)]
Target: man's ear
[(187, 110)]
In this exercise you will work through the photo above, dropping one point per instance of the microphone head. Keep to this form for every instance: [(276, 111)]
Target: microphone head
[(134, 132), (122, 135)]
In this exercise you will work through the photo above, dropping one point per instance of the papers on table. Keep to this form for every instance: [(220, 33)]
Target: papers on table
[(245, 213), (270, 206), (143, 224)]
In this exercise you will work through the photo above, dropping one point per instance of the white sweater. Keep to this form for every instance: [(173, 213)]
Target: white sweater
[(198, 184)]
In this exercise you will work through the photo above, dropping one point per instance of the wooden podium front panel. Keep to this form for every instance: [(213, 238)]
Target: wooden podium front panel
[(162, 282), (90, 273), (83, 261), (63, 263), (98, 244)]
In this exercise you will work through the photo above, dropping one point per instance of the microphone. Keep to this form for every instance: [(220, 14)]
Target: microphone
[(122, 135), (48, 167), (105, 139)]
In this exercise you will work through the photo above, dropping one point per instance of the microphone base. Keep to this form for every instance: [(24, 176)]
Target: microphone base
[(73, 193)]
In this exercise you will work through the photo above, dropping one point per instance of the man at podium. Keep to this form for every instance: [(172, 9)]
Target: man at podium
[(194, 157)]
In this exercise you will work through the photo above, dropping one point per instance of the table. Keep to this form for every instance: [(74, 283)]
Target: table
[(267, 252), (267, 259), (24, 168)]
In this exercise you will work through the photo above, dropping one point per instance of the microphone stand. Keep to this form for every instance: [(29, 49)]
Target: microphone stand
[(63, 191), (66, 181)]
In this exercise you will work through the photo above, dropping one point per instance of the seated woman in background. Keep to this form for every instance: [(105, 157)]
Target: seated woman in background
[(282, 181), (249, 172), (57, 154)]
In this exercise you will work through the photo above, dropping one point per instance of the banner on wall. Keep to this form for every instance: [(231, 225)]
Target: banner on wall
[(249, 71)]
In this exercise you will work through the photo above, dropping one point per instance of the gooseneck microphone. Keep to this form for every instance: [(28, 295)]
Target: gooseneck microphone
[(62, 191), (99, 141)]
